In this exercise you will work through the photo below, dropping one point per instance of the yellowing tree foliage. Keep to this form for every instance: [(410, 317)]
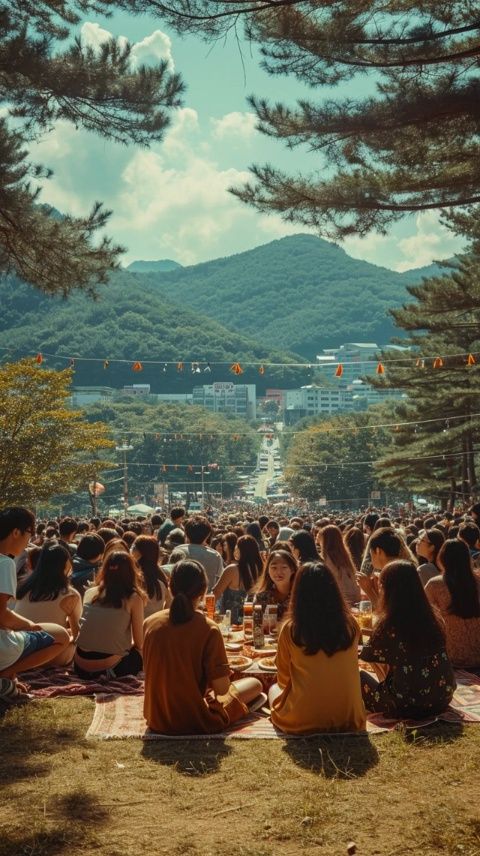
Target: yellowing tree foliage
[(46, 448)]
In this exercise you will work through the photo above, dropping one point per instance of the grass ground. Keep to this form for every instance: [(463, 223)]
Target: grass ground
[(392, 795)]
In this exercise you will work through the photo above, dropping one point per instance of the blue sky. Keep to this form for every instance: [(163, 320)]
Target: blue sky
[(171, 201)]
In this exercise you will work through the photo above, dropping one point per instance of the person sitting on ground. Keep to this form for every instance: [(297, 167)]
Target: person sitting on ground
[(470, 533), (456, 594), (111, 627), (146, 552), (427, 546), (24, 644), (354, 541), (187, 683), (317, 659), (239, 577), (384, 546), (47, 596), (275, 584), (336, 557), (198, 531), (303, 547), (67, 530), (175, 521), (407, 650), (87, 561)]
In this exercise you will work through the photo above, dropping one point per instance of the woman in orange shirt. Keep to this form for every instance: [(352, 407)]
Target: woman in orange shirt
[(317, 659), (187, 675)]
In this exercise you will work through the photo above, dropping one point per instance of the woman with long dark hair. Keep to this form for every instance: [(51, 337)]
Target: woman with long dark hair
[(146, 552), (407, 649), (336, 557), (456, 594), (317, 659), (354, 541), (111, 626), (303, 546), (275, 583), (47, 595), (239, 577), (187, 683), (427, 547)]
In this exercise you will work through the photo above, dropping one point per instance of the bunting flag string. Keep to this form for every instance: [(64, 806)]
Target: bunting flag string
[(201, 366)]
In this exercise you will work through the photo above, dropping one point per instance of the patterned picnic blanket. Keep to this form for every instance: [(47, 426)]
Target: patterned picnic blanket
[(120, 717), (62, 681)]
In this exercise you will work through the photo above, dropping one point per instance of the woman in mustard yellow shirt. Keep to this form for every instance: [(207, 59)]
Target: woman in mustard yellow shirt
[(317, 659)]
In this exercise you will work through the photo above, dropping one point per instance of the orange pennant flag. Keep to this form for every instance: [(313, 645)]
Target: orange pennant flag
[(339, 370), (137, 366), (261, 370), (380, 369), (471, 360), (39, 359), (438, 363), (236, 369)]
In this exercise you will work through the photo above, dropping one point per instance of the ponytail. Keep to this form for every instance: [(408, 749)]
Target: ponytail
[(187, 583)]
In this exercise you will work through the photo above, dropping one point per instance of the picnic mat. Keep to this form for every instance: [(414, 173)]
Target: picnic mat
[(62, 681), (119, 717)]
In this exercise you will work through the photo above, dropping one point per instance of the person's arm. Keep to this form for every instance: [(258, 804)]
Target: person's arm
[(72, 606), (136, 611), (224, 582), (369, 586), (9, 620), (283, 658)]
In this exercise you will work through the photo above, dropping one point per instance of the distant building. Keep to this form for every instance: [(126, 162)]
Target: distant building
[(82, 396), (237, 399), (174, 398), (139, 390), (326, 401), (358, 359)]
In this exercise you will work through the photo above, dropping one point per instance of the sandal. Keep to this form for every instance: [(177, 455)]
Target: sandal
[(11, 693)]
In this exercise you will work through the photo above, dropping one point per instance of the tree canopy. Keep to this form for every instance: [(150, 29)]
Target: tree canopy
[(407, 143), (47, 76), (46, 448)]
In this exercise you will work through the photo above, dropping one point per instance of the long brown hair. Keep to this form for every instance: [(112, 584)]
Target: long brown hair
[(265, 583), (459, 578), (188, 582), (250, 563), (354, 541), (148, 562), (229, 542), (334, 552), (117, 580), (320, 619), (406, 611)]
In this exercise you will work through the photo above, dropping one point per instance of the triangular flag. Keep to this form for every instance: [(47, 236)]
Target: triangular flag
[(420, 364), (137, 366), (180, 367), (39, 359), (339, 370), (380, 369), (438, 363), (106, 364), (471, 360), (261, 370), (236, 369)]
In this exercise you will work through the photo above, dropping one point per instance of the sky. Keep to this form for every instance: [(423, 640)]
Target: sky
[(172, 200)]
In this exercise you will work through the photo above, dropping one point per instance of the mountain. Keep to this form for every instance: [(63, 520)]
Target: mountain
[(153, 267), (132, 320), (299, 292)]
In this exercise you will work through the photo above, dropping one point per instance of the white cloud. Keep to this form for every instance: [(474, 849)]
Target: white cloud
[(236, 124), (152, 49), (431, 241), (149, 51)]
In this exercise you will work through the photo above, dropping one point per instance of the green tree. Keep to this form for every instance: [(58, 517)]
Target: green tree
[(408, 142), (46, 76), (171, 443), (435, 454), (46, 448), (334, 457)]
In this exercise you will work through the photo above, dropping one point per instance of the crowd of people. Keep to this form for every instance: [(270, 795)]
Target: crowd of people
[(115, 597)]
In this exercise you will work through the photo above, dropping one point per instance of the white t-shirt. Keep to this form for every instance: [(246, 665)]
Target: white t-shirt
[(12, 642)]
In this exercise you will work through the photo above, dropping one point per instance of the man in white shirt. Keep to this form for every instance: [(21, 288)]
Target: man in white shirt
[(23, 644), (198, 531)]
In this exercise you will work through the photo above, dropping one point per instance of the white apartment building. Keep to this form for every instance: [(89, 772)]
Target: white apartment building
[(239, 399)]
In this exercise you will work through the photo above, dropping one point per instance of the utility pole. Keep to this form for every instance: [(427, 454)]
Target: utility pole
[(124, 448)]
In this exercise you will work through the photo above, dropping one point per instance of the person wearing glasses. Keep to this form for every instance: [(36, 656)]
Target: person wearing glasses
[(24, 645)]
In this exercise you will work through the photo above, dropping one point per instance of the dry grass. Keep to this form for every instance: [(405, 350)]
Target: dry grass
[(392, 795)]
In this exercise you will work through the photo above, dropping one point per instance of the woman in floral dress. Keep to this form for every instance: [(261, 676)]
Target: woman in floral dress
[(407, 650)]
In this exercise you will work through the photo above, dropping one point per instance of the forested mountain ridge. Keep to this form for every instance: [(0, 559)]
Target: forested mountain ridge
[(299, 292), (160, 266), (131, 320)]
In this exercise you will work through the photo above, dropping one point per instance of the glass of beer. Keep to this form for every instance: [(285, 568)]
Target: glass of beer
[(248, 620), (365, 614)]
